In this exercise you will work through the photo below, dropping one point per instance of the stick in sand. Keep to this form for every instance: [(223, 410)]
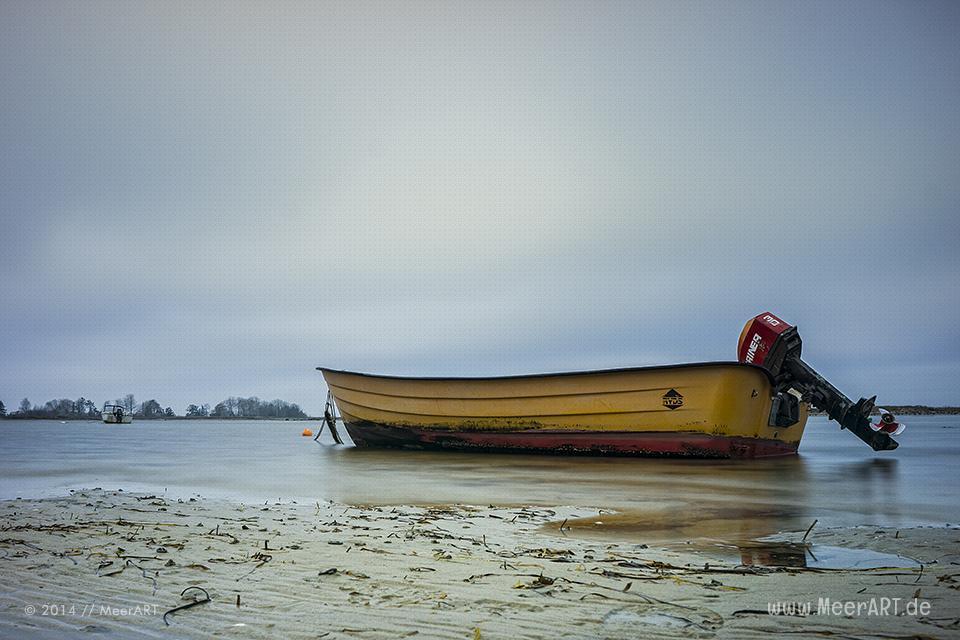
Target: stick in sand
[(812, 525)]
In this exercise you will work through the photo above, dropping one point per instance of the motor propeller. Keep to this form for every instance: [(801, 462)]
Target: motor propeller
[(888, 424)]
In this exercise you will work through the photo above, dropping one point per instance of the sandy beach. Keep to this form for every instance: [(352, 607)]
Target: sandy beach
[(111, 562)]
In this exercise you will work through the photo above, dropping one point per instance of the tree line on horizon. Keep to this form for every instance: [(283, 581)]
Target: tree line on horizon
[(252, 407), (82, 408)]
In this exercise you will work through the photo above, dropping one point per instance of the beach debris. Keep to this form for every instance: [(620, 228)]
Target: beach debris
[(68, 554), (261, 559), (537, 583), (664, 620), (197, 600), (475, 577), (107, 563), (356, 574), (809, 529), (716, 585), (233, 539), (545, 552)]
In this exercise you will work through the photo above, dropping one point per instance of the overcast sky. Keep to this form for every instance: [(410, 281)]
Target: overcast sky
[(202, 200)]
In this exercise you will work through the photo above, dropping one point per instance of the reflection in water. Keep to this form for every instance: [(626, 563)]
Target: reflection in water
[(789, 554), (773, 554), (678, 524), (874, 470), (727, 535), (878, 479)]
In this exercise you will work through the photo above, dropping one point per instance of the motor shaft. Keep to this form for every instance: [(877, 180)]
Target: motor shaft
[(853, 416)]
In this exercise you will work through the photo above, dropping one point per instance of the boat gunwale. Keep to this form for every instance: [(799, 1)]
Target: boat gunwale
[(559, 374)]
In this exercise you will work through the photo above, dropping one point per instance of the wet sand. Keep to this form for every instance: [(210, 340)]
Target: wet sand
[(111, 562)]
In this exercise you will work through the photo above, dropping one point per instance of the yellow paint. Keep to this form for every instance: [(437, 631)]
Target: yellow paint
[(718, 399)]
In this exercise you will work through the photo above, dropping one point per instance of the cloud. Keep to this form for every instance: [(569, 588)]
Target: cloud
[(230, 196)]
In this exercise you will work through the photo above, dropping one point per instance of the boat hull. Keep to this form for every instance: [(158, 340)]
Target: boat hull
[(712, 410), (659, 444), (112, 419)]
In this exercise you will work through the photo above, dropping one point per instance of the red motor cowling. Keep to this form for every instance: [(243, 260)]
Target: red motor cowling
[(759, 336)]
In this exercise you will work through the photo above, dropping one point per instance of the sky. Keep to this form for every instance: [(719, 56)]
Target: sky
[(200, 200)]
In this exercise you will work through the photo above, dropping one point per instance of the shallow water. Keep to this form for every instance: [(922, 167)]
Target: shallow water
[(818, 556), (835, 479)]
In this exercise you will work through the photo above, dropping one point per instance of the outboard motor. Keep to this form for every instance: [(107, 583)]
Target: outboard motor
[(770, 342)]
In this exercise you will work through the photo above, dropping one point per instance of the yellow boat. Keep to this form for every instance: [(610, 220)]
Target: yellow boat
[(714, 409)]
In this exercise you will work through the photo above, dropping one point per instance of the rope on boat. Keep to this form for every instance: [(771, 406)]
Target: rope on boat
[(330, 419)]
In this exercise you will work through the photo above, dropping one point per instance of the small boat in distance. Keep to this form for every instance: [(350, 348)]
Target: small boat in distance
[(754, 407), (115, 414)]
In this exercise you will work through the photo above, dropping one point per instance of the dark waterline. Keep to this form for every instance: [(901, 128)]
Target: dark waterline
[(835, 479)]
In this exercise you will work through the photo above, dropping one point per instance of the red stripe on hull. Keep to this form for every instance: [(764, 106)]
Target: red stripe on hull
[(672, 444)]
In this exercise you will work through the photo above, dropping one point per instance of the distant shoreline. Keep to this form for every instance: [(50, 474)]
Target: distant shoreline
[(899, 410)]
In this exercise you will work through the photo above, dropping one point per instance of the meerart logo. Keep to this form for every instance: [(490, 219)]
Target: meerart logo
[(672, 399)]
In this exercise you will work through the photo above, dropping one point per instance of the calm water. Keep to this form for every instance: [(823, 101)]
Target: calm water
[(836, 479)]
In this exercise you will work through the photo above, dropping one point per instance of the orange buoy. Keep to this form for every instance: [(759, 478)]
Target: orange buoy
[(307, 432)]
